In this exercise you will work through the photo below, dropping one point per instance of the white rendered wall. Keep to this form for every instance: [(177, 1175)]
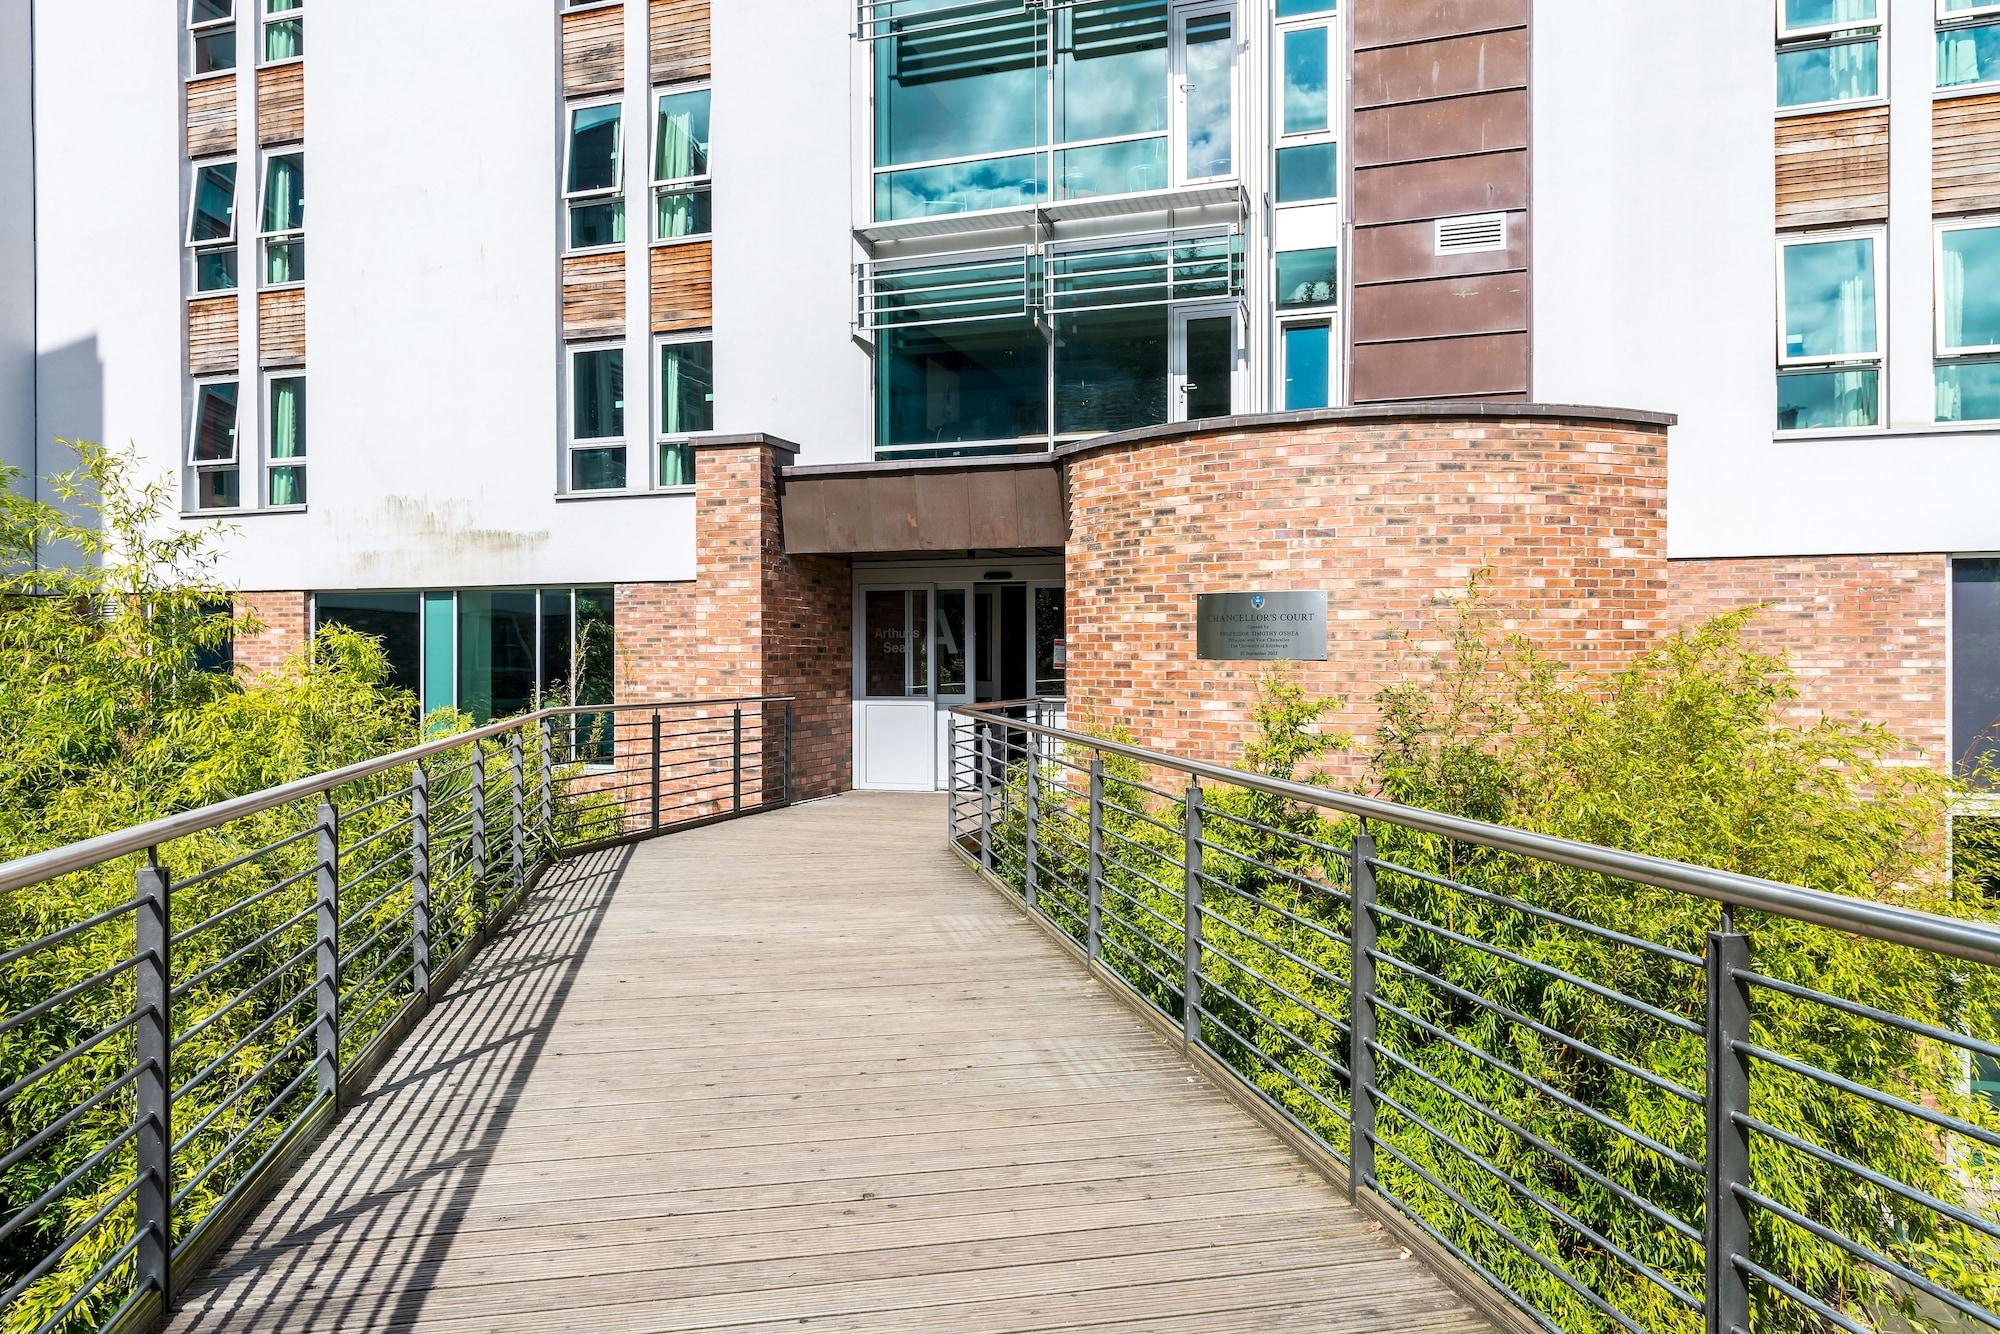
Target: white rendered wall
[(786, 361), (17, 243), (1655, 284), (432, 297)]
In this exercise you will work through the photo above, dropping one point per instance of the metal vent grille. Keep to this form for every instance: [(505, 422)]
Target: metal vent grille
[(1471, 235)]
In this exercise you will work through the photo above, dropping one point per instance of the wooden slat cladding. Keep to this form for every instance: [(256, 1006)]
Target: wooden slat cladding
[(281, 328), (211, 115), (1441, 125), (281, 104), (683, 286), (679, 31), (1965, 154), (593, 51), (212, 335), (1833, 167), (594, 295)]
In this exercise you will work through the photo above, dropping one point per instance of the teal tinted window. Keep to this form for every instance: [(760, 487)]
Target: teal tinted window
[(1111, 370), (597, 469), (594, 148), (1830, 299), (1825, 13), (1300, 8), (1975, 659), (1835, 71), (687, 388), (1308, 350), (1308, 172), (1308, 277), (212, 211), (215, 270), (952, 90), (1824, 400), (597, 394), (1305, 90), (1968, 55), (1969, 288), (1210, 144), (681, 149), (496, 653), (285, 193), (1111, 70), (440, 652), (961, 187), (214, 423), (1968, 391), (957, 384)]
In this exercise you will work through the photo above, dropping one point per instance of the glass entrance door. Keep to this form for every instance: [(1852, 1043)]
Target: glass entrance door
[(1203, 363), (1205, 104)]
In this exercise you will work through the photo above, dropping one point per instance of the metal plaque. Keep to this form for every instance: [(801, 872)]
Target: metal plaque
[(1261, 627)]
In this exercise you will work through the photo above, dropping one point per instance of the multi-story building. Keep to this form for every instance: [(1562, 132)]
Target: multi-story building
[(1073, 308)]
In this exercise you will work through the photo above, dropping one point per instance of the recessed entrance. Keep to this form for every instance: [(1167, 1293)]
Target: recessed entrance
[(931, 637)]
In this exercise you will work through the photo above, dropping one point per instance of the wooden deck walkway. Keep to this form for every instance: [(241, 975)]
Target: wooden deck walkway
[(801, 1071)]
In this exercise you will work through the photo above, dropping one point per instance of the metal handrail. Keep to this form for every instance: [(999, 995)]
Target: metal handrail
[(73, 857), (1960, 938)]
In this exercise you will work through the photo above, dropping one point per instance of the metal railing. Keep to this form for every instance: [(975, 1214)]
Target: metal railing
[(190, 1000), (1627, 1093)]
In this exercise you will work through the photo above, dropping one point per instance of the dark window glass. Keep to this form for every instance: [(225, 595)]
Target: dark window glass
[(596, 644), (1308, 277), (557, 640), (1310, 171), (1051, 655), (394, 618), (952, 384), (1111, 370), (496, 653), (1975, 668)]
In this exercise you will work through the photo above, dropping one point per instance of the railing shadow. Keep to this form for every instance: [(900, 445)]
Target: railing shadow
[(384, 1195)]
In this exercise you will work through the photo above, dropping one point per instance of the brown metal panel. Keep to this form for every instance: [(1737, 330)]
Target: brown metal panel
[(943, 509), (281, 104), (1833, 167), (281, 327), (1450, 67), (593, 51), (1441, 368), (892, 512), (1043, 518), (1489, 182), (1478, 123), (846, 502), (1965, 154), (1406, 250), (211, 115), (1391, 22), (802, 512), (1442, 308), (679, 35)]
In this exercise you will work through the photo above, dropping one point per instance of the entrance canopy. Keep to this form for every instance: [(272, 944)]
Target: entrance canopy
[(937, 507)]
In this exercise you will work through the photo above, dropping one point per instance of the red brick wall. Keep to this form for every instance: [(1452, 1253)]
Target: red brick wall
[(286, 625), (1866, 634), (1388, 518)]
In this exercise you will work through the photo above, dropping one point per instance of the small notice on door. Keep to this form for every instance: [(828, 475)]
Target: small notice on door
[(1261, 627)]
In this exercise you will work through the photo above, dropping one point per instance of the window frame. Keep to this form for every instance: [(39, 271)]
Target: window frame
[(1179, 16), (1986, 16), (1319, 317), (1801, 36), (196, 31), (269, 462), (1281, 140), (194, 249), (1877, 236), (1986, 222), (1829, 35), (596, 194), (265, 238), (196, 469), (265, 19), (660, 436), (572, 443), (1986, 9), (703, 183)]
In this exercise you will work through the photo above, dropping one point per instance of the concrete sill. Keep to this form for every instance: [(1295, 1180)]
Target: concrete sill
[(1933, 431), (581, 497)]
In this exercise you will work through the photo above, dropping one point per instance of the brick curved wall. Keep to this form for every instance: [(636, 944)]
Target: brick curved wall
[(1388, 518)]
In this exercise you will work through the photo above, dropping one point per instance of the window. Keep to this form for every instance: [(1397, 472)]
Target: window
[(682, 190), (895, 638), (1308, 159), (283, 225), (593, 176), (687, 404), (1829, 333), (597, 418), (211, 233), (1968, 43), (1307, 351), (1829, 51), (212, 36), (1308, 295), (285, 437), (212, 446), (1968, 321), (1207, 50), (1308, 278), (1975, 667), (284, 30)]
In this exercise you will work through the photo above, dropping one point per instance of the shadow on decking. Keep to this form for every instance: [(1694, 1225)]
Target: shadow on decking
[(409, 1156)]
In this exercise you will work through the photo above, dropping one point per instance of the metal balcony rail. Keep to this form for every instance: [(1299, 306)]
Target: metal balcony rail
[(1667, 1114), (187, 1002)]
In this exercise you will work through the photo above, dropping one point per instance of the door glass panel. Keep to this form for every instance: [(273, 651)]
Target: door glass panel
[(496, 653), (440, 652), (557, 637), (951, 641), (895, 657), (1211, 358), (1209, 142), (1051, 651)]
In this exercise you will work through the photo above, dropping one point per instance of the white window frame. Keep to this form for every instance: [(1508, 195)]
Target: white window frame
[(208, 28), (265, 238), (571, 443), (1988, 9), (196, 249), (1178, 17), (264, 21), (267, 420), (234, 463), (662, 437), (1877, 29), (1878, 360), (1179, 316), (1327, 317), (704, 183), (1787, 35), (571, 198), (1334, 111), (1989, 222), (1986, 16)]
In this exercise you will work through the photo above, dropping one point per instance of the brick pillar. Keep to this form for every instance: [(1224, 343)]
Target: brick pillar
[(285, 628)]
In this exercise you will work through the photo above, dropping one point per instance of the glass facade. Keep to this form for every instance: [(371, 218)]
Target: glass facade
[(1975, 668)]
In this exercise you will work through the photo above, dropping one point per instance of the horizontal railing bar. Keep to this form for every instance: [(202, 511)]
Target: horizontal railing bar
[(73, 929), (363, 877), (348, 992), (1339, 854), (1520, 1303), (81, 856), (1811, 1303), (1860, 1011), (66, 1245), (1107, 942), (1303, 882), (244, 860), (1339, 1067), (363, 1009), (1501, 900), (1870, 1175), (1272, 1062), (374, 936), (1341, 984), (40, 1008), (55, 1063), (379, 834), (400, 794), (1583, 1109), (1866, 1256), (237, 955), (1874, 1095), (209, 1019), (241, 904), (1321, 929), (96, 1160), (195, 1080), (229, 1147), (55, 1127), (407, 882), (118, 1257), (1638, 1072), (1210, 947), (235, 1095), (1164, 920), (1975, 941)]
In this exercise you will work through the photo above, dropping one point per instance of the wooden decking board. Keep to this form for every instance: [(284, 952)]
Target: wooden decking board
[(800, 1070)]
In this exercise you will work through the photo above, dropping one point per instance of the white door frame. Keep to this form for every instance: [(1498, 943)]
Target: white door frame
[(1177, 120), (1177, 355)]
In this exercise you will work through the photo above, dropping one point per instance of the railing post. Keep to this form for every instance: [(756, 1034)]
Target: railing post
[(1094, 891), (478, 816), (153, 1112), (985, 747), (656, 769), (736, 759), (1032, 785), (1728, 1233), (1191, 923), (788, 753), (548, 768), (327, 972), (420, 881), (517, 782), (1361, 1015)]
